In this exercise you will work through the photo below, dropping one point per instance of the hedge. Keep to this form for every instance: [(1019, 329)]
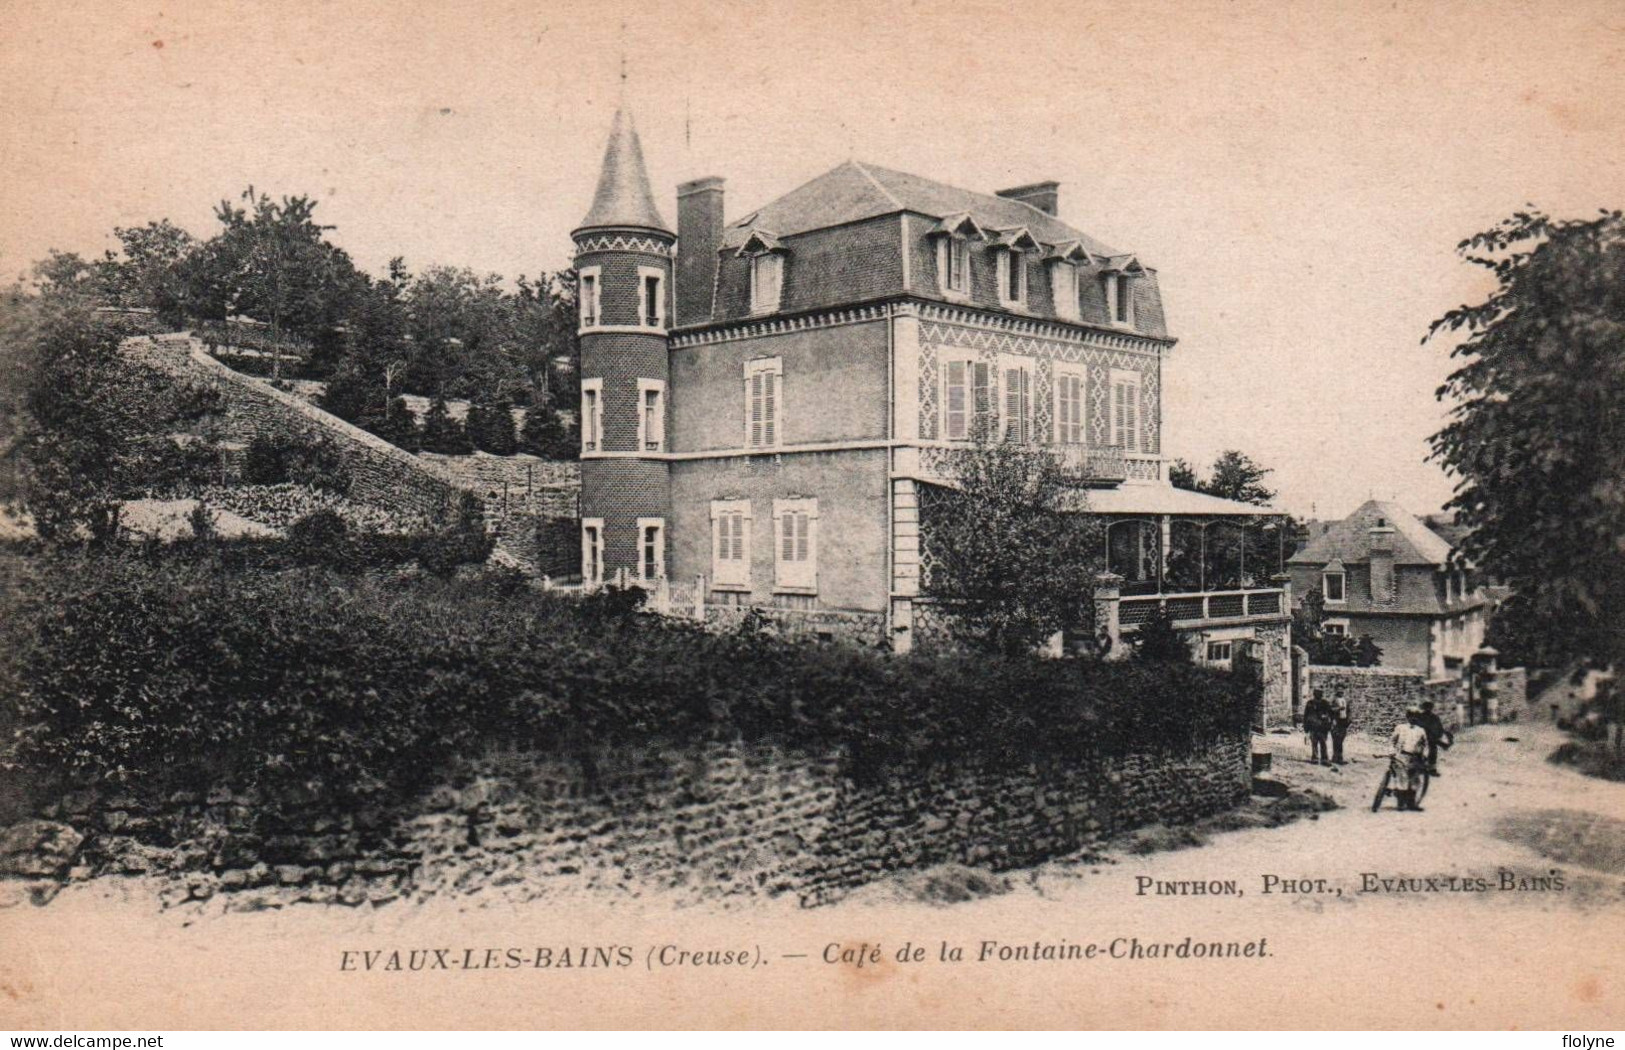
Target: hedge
[(174, 670)]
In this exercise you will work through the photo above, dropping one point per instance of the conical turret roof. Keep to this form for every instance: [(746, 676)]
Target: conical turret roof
[(623, 197)]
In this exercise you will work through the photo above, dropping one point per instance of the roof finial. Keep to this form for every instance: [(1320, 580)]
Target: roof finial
[(623, 58)]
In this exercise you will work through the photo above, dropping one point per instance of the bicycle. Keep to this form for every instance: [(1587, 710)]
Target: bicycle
[(1383, 790)]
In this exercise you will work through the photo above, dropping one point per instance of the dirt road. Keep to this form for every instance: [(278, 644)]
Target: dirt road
[(1076, 942)]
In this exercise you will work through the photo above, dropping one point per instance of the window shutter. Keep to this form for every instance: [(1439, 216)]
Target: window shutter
[(769, 410), (1131, 397), (1012, 402), (955, 400), (801, 537), (787, 534), (756, 409), (1118, 437), (1026, 405), (984, 395)]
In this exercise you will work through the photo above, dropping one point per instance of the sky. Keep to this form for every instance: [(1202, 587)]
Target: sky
[(1299, 174)]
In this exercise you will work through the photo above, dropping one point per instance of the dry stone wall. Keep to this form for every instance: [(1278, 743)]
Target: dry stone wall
[(381, 474), (699, 822), (524, 494)]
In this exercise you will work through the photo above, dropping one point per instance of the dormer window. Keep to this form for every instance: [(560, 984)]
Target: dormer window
[(766, 282), (1063, 287), (1012, 278), (953, 236), (766, 271), (1013, 246), (1119, 280), (1333, 586), (954, 255), (1063, 263)]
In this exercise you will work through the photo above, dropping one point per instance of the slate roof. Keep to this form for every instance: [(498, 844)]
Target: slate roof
[(1350, 540), (623, 198), (858, 190)]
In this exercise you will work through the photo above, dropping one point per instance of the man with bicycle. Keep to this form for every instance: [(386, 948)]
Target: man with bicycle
[(1409, 762)]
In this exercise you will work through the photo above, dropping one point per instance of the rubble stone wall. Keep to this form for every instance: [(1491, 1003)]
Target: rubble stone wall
[(701, 822)]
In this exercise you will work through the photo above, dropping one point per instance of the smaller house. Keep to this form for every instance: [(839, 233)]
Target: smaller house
[(1384, 573)]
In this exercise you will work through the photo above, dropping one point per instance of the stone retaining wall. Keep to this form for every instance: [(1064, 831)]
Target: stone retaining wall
[(520, 492), (521, 473), (702, 822), (381, 474)]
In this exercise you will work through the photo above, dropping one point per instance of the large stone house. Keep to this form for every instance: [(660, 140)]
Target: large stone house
[(765, 399), (1382, 572)]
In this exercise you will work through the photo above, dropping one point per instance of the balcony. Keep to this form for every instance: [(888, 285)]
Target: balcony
[(1087, 466), (1206, 608), (1093, 466)]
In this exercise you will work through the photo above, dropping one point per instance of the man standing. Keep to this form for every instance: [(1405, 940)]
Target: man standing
[(1433, 726), (1342, 715), (1409, 762), (1317, 722)]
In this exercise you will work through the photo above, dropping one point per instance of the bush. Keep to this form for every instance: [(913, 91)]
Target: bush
[(1159, 641), (313, 463), (166, 668), (319, 538)]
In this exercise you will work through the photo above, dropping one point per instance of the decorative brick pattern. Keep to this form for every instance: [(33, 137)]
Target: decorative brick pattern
[(644, 244), (938, 338)]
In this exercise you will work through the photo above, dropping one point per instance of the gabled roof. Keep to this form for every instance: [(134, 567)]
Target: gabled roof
[(855, 190), (760, 241), (623, 198), (960, 223), (1350, 540), (1124, 264), (1070, 251), (1020, 238)]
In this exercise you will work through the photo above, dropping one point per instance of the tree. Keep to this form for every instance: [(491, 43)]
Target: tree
[(1011, 558), (544, 433), (272, 262), (149, 272), (491, 429), (1329, 650), (86, 429), (1234, 476), (1536, 437), (443, 434)]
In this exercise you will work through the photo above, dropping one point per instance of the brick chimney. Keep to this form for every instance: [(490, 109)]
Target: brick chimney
[(699, 236), (1382, 562), (1045, 196)]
